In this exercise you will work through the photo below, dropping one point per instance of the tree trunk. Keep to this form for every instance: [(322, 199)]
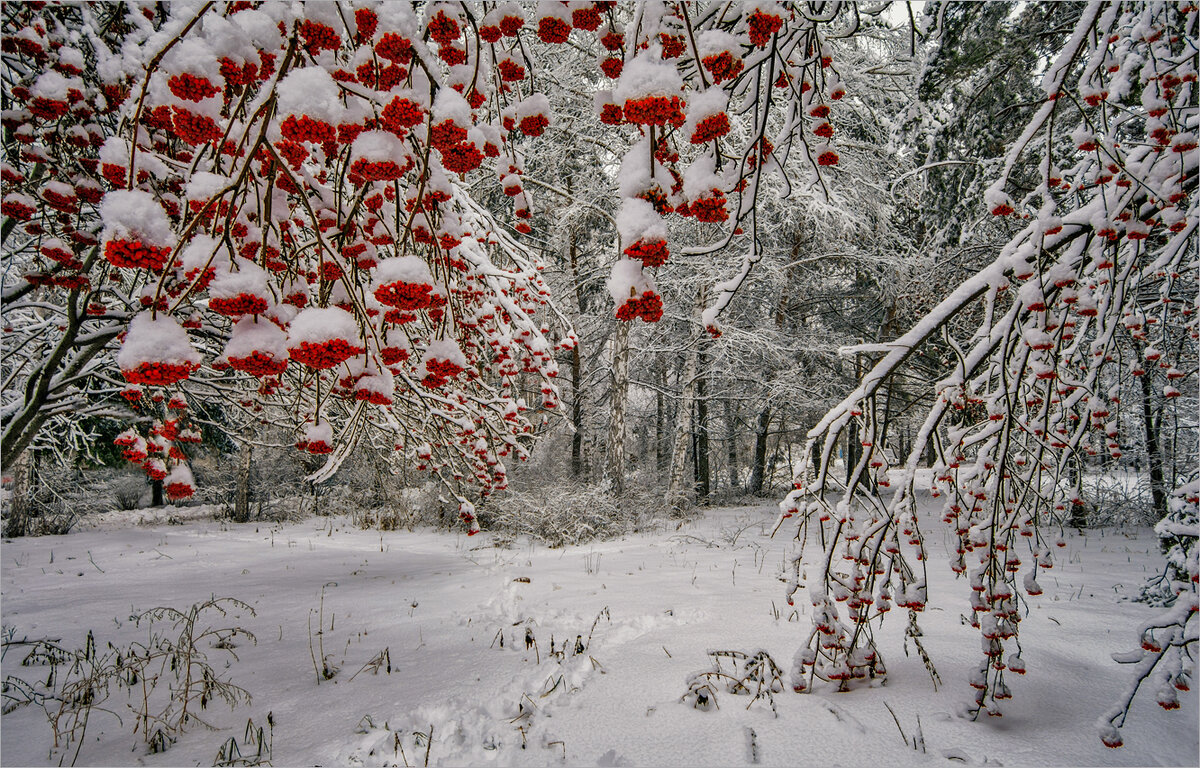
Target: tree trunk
[(731, 444), (241, 503), (754, 485), (703, 473), (1158, 490), (615, 466), (660, 455), (680, 490), (17, 523), (576, 414), (156, 493)]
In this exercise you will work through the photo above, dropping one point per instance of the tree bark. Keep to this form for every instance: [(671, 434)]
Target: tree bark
[(156, 493), (1158, 491), (17, 523), (703, 470), (680, 491), (660, 455), (731, 444), (576, 414), (615, 466), (762, 424), (241, 504)]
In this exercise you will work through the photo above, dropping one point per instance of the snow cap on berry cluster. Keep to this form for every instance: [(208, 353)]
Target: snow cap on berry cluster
[(156, 340), (131, 214), (647, 75), (637, 220), (310, 91), (628, 279), (317, 325)]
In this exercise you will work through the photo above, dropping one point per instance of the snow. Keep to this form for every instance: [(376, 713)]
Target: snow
[(628, 279), (377, 147), (54, 86), (157, 340), (406, 269), (647, 75), (250, 336), (196, 254), (317, 325), (195, 57), (450, 105), (534, 104), (203, 185), (310, 91), (131, 214), (648, 606), (249, 278), (444, 349), (701, 177), (637, 220)]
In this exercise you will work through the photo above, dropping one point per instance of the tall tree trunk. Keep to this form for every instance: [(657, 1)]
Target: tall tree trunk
[(679, 492), (241, 502), (731, 444), (660, 454), (703, 473), (758, 466), (1158, 491), (17, 523), (615, 466), (576, 414)]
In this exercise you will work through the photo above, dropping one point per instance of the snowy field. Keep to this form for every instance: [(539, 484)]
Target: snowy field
[(647, 609)]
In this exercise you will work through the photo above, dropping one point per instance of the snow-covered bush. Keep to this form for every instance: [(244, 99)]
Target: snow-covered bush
[(560, 515)]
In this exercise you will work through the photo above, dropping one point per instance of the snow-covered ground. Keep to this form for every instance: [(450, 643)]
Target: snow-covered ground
[(653, 605)]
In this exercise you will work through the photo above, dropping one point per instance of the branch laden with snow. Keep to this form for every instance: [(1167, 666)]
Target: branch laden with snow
[(1097, 291)]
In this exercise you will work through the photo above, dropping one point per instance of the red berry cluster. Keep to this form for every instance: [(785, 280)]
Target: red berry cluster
[(710, 208), (158, 374), (552, 29), (17, 208), (723, 66), (191, 88), (325, 354), (67, 203), (367, 171), (710, 128), (534, 125), (318, 37), (316, 447), (178, 490), (655, 110), (439, 371), (586, 18), (648, 307), (395, 48), (400, 115), (447, 133), (443, 29), (134, 254), (405, 296), (372, 397), (761, 27), (193, 128), (461, 157), (510, 71), (652, 253), (393, 355), (305, 128), (236, 306), (48, 109)]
